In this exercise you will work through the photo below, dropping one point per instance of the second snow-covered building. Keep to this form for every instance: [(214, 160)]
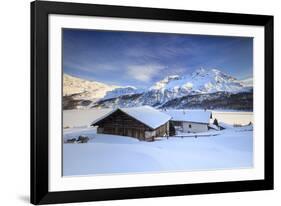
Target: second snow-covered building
[(192, 121)]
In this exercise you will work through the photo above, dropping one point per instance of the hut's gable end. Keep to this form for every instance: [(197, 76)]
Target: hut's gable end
[(120, 123)]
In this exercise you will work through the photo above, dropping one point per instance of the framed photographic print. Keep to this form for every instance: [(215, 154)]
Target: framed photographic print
[(131, 102)]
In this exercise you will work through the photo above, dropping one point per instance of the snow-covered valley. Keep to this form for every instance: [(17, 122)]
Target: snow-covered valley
[(111, 154)]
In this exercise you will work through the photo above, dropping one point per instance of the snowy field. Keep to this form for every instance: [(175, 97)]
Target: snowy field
[(232, 117), (109, 154)]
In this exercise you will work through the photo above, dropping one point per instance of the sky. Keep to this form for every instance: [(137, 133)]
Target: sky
[(140, 58)]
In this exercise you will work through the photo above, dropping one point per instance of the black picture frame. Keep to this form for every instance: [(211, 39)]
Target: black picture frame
[(39, 102)]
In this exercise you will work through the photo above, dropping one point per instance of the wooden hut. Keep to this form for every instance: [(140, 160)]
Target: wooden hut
[(143, 123)]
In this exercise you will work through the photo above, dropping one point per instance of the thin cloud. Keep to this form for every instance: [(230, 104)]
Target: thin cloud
[(145, 72)]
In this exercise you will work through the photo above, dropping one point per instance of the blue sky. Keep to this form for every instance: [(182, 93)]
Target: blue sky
[(140, 59)]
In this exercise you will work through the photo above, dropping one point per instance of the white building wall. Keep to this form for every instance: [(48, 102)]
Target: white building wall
[(194, 127)]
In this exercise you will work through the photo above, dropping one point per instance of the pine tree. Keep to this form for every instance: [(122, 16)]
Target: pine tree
[(216, 122)]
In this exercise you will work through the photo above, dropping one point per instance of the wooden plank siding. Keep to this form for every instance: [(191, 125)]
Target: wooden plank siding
[(120, 123)]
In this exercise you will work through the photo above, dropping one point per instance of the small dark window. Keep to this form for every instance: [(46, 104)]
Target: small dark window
[(189, 126)]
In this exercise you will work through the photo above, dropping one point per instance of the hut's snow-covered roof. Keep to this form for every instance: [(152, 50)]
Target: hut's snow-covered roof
[(149, 116), (197, 116)]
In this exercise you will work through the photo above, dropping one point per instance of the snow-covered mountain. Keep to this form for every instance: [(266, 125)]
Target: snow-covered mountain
[(200, 81), (166, 91), (202, 88)]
